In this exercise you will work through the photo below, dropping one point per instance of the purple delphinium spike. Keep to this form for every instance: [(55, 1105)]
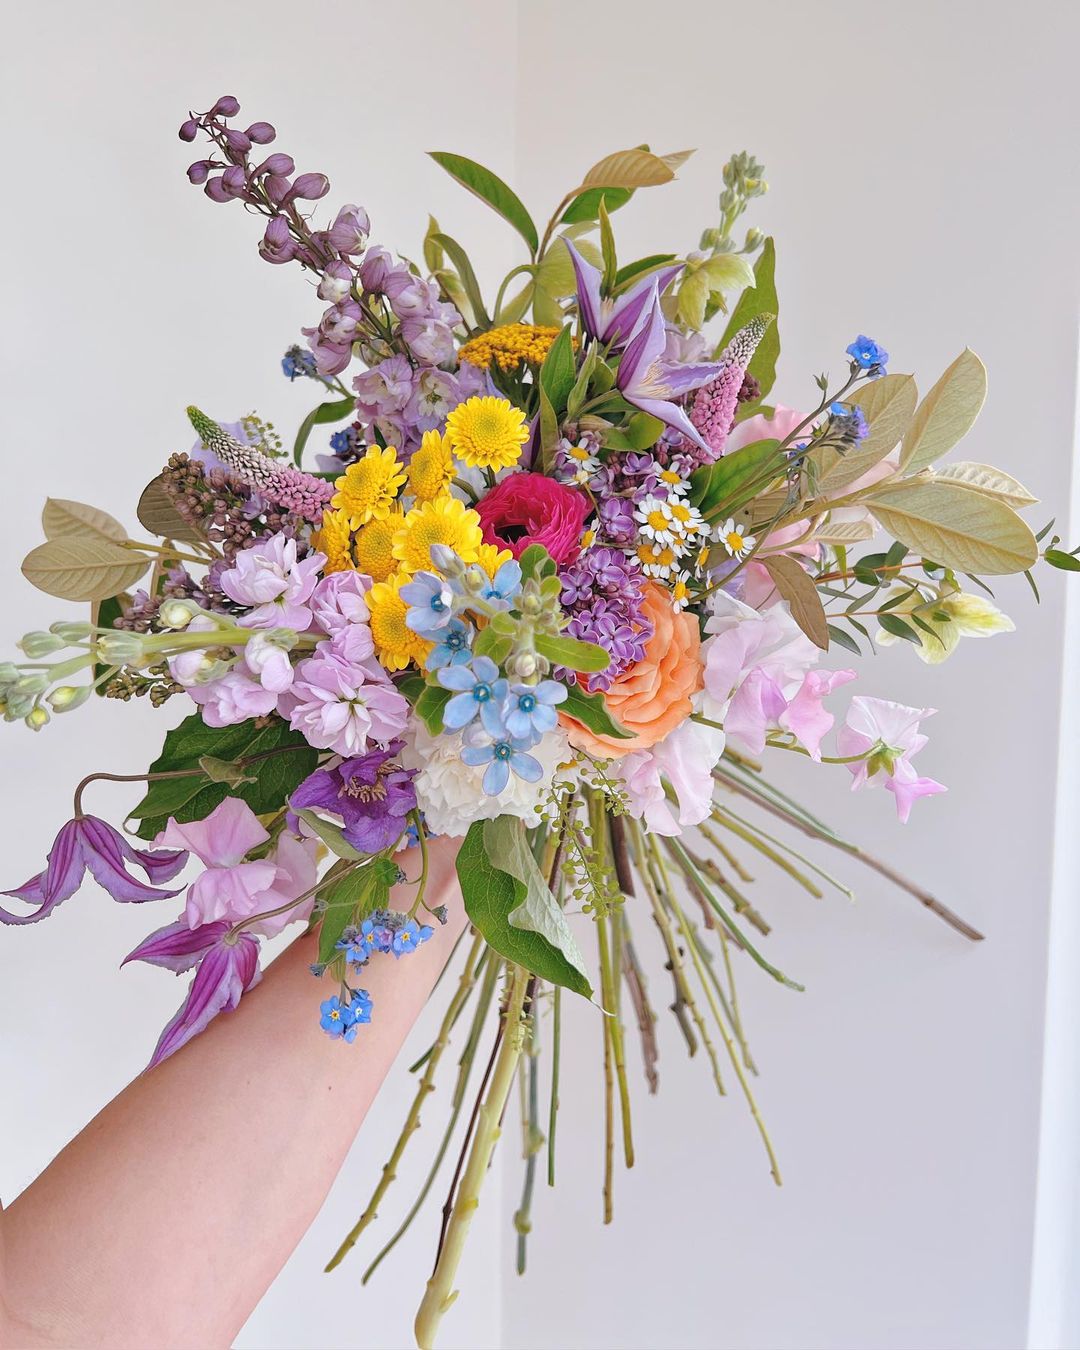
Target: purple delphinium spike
[(227, 969), (613, 321), (89, 844), (713, 409)]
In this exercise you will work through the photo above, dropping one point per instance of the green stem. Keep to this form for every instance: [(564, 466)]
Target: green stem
[(553, 1108)]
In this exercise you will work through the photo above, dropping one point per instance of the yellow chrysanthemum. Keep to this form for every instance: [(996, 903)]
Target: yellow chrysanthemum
[(334, 538), (395, 643), (487, 433), (374, 546), (431, 469), (445, 521), (510, 345), (491, 558), (367, 489)]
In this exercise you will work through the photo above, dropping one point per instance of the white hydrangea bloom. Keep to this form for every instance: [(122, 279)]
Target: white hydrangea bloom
[(450, 792)]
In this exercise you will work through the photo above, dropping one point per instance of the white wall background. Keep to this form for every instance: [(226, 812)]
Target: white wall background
[(924, 191)]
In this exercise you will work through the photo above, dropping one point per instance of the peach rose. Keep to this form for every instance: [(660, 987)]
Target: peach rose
[(653, 696)]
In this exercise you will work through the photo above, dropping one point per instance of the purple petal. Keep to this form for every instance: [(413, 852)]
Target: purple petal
[(104, 850), (681, 377), (178, 947), (588, 289), (60, 879), (645, 345), (628, 308), (158, 864), (226, 972), (671, 415)]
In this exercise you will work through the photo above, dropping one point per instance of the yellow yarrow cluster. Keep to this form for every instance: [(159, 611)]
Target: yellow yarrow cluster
[(510, 346), (487, 433)]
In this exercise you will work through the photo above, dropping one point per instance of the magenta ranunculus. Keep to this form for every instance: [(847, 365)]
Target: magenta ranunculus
[(528, 508)]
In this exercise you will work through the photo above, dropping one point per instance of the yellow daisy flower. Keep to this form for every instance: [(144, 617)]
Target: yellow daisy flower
[(395, 643), (491, 558), (334, 538), (368, 487), (487, 433), (374, 546), (445, 521), (431, 469)]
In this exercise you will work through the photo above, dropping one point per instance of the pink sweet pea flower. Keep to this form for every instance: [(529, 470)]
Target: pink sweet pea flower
[(888, 735), (760, 677), (684, 759)]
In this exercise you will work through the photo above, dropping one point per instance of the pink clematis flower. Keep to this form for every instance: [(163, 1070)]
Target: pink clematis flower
[(760, 677), (888, 735), (232, 888)]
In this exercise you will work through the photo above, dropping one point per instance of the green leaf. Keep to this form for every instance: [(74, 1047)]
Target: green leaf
[(572, 653), (536, 562), (491, 896), (954, 526), (946, 414), (641, 432), (411, 685), (335, 411), (888, 405), (755, 300), (490, 188), (429, 707), (339, 904), (490, 643), (586, 205), (460, 259), (726, 271), (102, 614), (843, 639), (559, 371), (898, 628), (194, 797), (591, 711), (692, 296), (607, 249), (633, 270), (1057, 557), (332, 835), (724, 486)]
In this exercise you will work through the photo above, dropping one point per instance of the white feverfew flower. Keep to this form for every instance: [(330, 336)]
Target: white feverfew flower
[(735, 539), (450, 793), (675, 483), (653, 515)]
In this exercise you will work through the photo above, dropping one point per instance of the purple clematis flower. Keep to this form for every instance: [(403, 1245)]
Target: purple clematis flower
[(89, 844), (651, 383), (226, 970), (613, 321), (372, 795)]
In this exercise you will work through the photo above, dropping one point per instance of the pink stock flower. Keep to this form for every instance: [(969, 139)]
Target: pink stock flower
[(888, 735), (338, 601), (232, 698), (684, 759), (231, 888), (341, 699), (760, 676), (270, 578)]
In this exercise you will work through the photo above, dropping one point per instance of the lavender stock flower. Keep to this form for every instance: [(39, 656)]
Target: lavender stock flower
[(89, 844)]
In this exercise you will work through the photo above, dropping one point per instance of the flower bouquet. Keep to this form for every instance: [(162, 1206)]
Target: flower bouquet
[(559, 580)]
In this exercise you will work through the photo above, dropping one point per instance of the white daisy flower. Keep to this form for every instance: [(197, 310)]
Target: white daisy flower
[(680, 590), (737, 542), (654, 516), (676, 485), (688, 520), (657, 560), (580, 465)]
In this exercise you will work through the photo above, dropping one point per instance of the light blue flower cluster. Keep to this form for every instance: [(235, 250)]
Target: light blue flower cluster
[(385, 930), (868, 355), (341, 1020), (435, 602)]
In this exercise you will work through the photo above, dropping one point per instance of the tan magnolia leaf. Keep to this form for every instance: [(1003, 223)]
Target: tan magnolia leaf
[(60, 519), (946, 414), (888, 405), (798, 589), (677, 159), (87, 568), (158, 514), (987, 479), (845, 532), (952, 525), (629, 169)]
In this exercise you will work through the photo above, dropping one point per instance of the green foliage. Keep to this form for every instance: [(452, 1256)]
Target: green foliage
[(726, 485), (492, 895), (429, 706), (350, 898), (194, 797), (491, 189), (559, 371), (460, 259), (572, 653), (586, 205), (334, 411), (632, 271), (536, 563), (1067, 562), (591, 711)]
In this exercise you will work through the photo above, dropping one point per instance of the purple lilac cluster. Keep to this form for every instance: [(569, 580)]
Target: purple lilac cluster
[(622, 482), (602, 593), (371, 297)]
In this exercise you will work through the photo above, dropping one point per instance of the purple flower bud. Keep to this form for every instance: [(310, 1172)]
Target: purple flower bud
[(279, 164), (234, 181), (261, 133), (331, 358), (189, 129), (336, 283), (277, 245), (215, 190), (375, 270), (278, 188), (309, 187), (226, 106), (350, 230), (238, 142), (199, 171)]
